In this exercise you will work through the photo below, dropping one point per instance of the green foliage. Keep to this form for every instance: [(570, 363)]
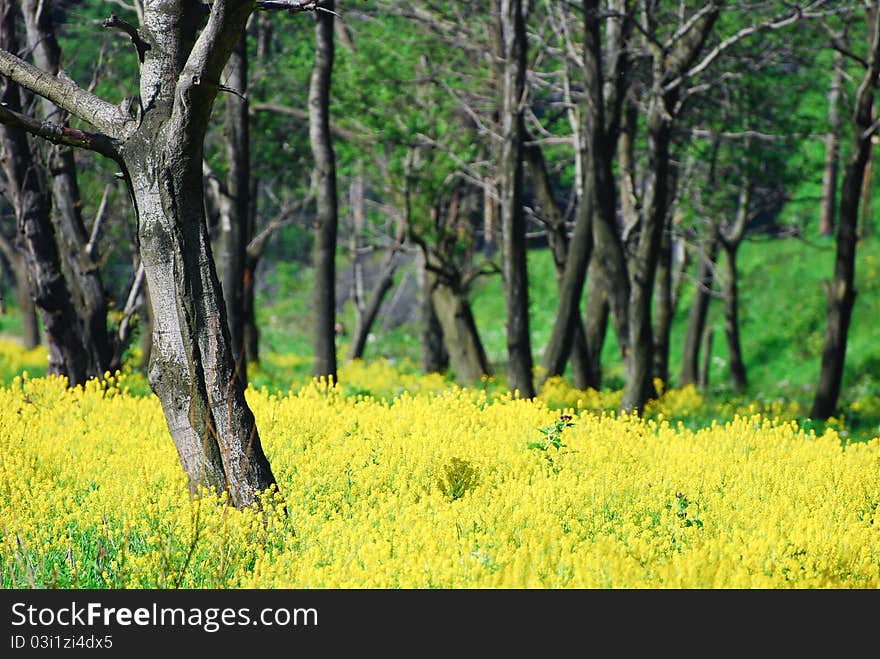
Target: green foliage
[(552, 440), (457, 478)]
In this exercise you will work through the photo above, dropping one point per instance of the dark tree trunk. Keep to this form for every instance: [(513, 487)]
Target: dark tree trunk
[(233, 227), (460, 337), (324, 182), (730, 290), (841, 291), (513, 224), (664, 304), (596, 322), (706, 363), (30, 324), (30, 199), (556, 353), (690, 354), (435, 359)]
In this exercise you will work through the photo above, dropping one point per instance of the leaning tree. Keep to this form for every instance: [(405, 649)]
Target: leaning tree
[(157, 137)]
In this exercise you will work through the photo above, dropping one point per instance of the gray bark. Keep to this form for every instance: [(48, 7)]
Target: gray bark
[(324, 182), (690, 356), (832, 151)]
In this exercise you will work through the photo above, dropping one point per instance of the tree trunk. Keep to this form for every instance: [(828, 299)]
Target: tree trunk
[(234, 219), (160, 150), (80, 269), (596, 327), (435, 359), (730, 289), (832, 150), (705, 365), (560, 344), (324, 182), (513, 224), (460, 337), (841, 291), (664, 304), (30, 200), (639, 386), (690, 354)]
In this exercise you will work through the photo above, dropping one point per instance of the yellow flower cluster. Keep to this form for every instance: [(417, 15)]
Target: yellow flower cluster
[(430, 489), (15, 359)]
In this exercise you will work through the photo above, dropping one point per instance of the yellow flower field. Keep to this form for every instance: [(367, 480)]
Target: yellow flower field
[(431, 489)]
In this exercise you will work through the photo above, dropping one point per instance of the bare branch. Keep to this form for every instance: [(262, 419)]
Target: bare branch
[(92, 245), (58, 134), (66, 94), (115, 22)]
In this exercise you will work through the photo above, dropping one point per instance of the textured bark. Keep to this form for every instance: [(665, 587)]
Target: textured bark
[(832, 151), (324, 182), (511, 184), (596, 327), (841, 291), (30, 199), (690, 354)]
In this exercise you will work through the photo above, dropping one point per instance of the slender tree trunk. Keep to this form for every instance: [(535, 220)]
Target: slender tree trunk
[(234, 222), (841, 291), (30, 324), (730, 289), (324, 181), (690, 354), (832, 150), (513, 223), (706, 363), (664, 309), (596, 321), (556, 353)]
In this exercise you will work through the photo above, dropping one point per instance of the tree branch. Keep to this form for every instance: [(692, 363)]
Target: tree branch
[(66, 94), (115, 22), (58, 134)]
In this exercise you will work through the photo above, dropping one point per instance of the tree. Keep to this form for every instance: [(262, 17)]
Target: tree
[(157, 139), (324, 181), (510, 169), (841, 292)]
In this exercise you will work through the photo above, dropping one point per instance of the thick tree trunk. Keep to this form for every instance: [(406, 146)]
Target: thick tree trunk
[(841, 291), (435, 359), (690, 354), (233, 236), (460, 337), (513, 223), (324, 182)]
